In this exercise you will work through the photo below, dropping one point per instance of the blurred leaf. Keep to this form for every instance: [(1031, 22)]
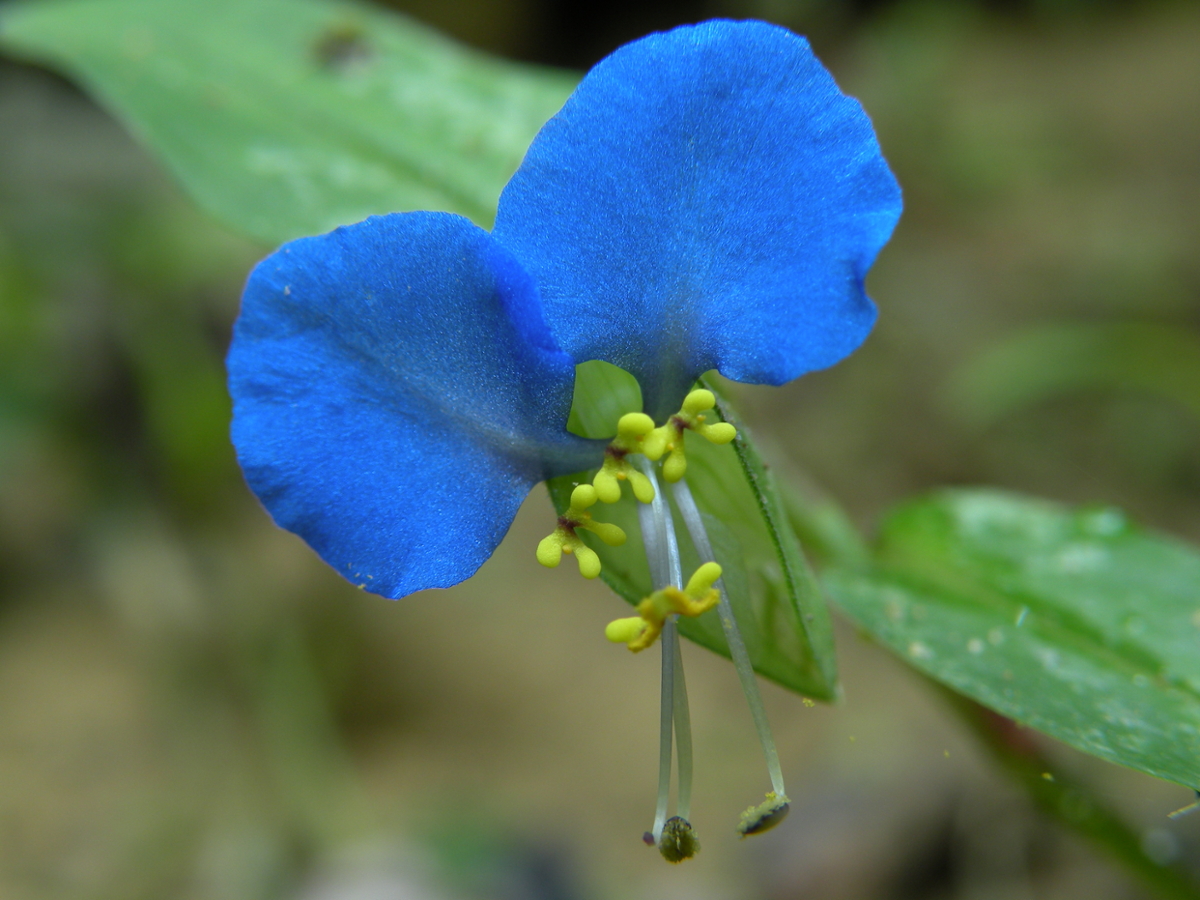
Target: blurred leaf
[(819, 521), (1041, 363), (186, 409), (1070, 622), (776, 598), (289, 117)]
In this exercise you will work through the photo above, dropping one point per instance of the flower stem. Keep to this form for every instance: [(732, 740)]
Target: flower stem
[(733, 637)]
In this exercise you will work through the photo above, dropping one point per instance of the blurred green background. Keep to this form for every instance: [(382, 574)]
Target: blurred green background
[(193, 706)]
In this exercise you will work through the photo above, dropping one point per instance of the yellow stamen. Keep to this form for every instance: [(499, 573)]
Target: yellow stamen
[(564, 538), (669, 437), (640, 631), (632, 429)]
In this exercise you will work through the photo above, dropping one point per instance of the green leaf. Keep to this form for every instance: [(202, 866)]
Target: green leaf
[(776, 598), (289, 117), (1071, 622)]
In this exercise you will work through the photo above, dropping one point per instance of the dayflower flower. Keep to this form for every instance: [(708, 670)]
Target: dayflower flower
[(706, 199)]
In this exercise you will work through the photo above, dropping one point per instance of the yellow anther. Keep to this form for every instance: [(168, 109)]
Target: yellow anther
[(640, 631), (564, 538), (623, 631), (698, 401), (632, 429), (582, 497), (669, 437), (700, 585)]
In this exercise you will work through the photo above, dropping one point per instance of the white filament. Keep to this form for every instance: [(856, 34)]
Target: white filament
[(733, 637)]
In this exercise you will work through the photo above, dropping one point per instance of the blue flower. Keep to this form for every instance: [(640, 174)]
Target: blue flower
[(706, 199)]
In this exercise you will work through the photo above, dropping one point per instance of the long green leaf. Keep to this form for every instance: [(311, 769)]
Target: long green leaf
[(1072, 622), (777, 600), (289, 117)]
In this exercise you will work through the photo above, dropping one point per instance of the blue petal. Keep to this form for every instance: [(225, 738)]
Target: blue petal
[(707, 198), (396, 395)]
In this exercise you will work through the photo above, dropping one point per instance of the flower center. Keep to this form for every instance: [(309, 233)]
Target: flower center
[(636, 435), (631, 456)]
